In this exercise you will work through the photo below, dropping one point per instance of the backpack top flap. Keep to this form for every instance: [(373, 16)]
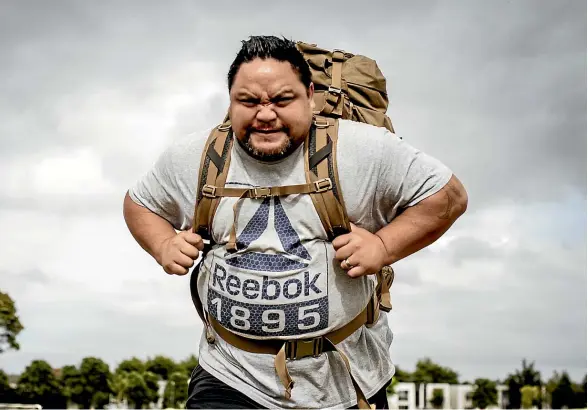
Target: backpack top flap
[(356, 89)]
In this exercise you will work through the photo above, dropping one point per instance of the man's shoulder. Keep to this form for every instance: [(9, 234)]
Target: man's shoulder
[(359, 137), (362, 130), (182, 154)]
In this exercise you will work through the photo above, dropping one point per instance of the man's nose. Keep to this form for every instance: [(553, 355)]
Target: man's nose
[(266, 113)]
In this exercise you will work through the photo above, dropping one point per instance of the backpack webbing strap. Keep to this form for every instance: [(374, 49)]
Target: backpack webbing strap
[(212, 191), (322, 164), (334, 94), (214, 167)]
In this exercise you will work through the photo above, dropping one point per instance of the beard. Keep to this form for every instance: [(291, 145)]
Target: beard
[(281, 152)]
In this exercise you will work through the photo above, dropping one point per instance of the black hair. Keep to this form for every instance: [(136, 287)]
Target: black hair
[(265, 47)]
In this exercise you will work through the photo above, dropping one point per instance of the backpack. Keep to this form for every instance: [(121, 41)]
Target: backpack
[(347, 86)]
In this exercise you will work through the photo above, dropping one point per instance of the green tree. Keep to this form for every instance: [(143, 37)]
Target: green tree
[(118, 385), (39, 385), (485, 393), (10, 325), (391, 389), (161, 365), (429, 372), (152, 383), (134, 364), (139, 388), (402, 375), (563, 392), (137, 391), (526, 376), (73, 386), (529, 395), (437, 399), (7, 393), (188, 365), (95, 378), (580, 402), (550, 387), (176, 390), (101, 399)]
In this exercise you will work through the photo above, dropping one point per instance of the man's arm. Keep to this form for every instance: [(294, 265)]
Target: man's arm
[(148, 228), (175, 252), (419, 226), (363, 253)]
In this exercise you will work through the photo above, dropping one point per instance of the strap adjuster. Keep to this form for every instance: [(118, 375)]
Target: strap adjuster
[(262, 192), (338, 55), (323, 185), (321, 124), (335, 90), (299, 349), (209, 191)]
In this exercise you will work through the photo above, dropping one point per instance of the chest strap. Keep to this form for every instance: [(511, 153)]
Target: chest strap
[(215, 192)]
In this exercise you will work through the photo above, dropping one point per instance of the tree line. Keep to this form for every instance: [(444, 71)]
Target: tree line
[(525, 386), (92, 383)]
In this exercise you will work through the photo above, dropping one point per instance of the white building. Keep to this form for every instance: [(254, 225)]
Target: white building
[(455, 396)]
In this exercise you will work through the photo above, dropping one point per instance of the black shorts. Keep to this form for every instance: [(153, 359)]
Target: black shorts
[(207, 392)]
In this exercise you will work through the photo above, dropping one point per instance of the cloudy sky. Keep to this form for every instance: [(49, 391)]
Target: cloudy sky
[(91, 92)]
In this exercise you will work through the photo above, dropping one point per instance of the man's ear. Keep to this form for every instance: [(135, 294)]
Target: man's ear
[(310, 93)]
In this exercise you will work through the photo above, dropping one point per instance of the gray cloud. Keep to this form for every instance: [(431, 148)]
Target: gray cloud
[(495, 90), (534, 309)]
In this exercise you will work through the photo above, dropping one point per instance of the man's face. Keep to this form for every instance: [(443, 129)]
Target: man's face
[(271, 109)]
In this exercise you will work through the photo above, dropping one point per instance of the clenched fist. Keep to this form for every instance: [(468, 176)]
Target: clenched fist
[(360, 252), (179, 252)]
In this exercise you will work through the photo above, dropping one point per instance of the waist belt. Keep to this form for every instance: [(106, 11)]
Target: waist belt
[(297, 349)]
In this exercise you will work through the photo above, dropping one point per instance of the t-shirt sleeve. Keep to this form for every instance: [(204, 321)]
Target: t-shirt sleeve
[(407, 175), (168, 188)]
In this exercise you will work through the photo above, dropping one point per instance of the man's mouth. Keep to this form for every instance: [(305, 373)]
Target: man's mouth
[(266, 131)]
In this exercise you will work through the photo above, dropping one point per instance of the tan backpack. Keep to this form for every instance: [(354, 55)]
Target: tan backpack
[(347, 86)]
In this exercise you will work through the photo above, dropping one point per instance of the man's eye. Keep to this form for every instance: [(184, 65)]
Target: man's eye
[(249, 101), (283, 100)]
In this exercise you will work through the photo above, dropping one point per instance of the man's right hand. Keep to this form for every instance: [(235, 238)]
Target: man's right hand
[(178, 253)]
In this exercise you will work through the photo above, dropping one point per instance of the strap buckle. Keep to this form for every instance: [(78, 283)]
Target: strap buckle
[(209, 191), (338, 55), (335, 90), (262, 192), (323, 185), (321, 124), (299, 349)]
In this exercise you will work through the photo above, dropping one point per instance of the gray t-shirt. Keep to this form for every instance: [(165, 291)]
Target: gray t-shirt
[(284, 281)]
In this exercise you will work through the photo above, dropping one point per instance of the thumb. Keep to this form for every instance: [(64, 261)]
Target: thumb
[(354, 228)]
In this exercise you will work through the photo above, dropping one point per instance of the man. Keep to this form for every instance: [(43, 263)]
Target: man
[(286, 280)]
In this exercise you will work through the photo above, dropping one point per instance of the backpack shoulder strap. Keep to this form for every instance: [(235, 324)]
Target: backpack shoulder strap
[(320, 163), (214, 167)]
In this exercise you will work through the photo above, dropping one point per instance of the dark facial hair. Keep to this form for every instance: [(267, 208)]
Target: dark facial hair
[(262, 156)]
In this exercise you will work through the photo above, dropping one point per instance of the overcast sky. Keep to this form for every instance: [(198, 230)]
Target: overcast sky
[(91, 92)]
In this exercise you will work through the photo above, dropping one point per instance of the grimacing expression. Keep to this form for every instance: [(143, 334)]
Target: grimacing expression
[(270, 108)]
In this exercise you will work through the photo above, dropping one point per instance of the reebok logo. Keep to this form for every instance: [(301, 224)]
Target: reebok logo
[(296, 257), (266, 288)]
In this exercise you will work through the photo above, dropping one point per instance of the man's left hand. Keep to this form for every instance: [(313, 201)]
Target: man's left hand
[(360, 252)]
